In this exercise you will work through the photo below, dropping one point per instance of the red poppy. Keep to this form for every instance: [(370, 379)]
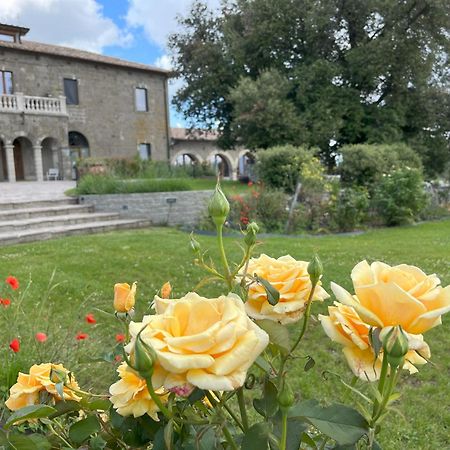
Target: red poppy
[(81, 336), (41, 337), (5, 302), (120, 337), (117, 358), (13, 282), (90, 318), (250, 183), (15, 345)]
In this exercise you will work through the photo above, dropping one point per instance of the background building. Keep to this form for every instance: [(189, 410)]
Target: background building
[(59, 104)]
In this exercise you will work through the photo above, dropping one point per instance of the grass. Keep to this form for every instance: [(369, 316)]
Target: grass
[(88, 266), (101, 184)]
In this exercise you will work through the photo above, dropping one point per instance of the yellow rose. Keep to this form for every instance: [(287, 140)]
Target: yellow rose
[(26, 391), (345, 326), (208, 343), (291, 279), (399, 295), (130, 395), (124, 297)]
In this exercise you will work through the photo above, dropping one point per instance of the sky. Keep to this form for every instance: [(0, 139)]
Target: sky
[(134, 30)]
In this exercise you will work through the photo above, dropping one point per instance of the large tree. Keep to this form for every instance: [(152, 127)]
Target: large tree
[(318, 72)]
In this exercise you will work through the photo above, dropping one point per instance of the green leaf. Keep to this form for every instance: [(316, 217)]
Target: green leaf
[(28, 442), (343, 424), (81, 430), (65, 407), (278, 334), (267, 406), (310, 363), (99, 405), (28, 413), (257, 437), (263, 364), (97, 443), (197, 394), (273, 296)]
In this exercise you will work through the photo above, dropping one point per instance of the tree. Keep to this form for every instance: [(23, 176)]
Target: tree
[(340, 71)]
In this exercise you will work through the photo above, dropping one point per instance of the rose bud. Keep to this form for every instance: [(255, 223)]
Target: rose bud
[(395, 346), (124, 297), (166, 290), (144, 357), (315, 270), (218, 206), (250, 235)]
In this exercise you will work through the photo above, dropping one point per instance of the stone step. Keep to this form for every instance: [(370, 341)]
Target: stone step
[(49, 211), (55, 221), (36, 203), (70, 230)]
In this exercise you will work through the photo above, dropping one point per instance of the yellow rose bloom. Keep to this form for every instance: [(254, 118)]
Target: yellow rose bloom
[(344, 326), (130, 395), (290, 277), (208, 343), (27, 390), (124, 297), (399, 295)]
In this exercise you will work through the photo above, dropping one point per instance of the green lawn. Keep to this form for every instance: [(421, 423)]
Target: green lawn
[(87, 267)]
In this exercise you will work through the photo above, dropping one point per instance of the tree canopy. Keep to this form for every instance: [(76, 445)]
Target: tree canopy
[(318, 73)]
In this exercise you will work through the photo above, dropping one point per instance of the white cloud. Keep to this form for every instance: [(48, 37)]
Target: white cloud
[(73, 23), (159, 19)]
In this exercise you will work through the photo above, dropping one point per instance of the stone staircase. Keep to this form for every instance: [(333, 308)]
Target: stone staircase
[(28, 221)]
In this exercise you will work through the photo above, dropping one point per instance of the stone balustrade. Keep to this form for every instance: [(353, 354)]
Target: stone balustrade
[(20, 103)]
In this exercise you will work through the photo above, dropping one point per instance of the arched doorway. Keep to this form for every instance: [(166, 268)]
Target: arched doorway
[(189, 162), (220, 165), (50, 155), (246, 166), (79, 149), (24, 159), (3, 168)]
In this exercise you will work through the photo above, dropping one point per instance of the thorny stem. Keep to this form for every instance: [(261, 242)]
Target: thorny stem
[(229, 437), (223, 256), (303, 330), (242, 408), (156, 399), (284, 417)]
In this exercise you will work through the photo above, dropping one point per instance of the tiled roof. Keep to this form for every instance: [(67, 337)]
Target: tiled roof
[(183, 134), (56, 50)]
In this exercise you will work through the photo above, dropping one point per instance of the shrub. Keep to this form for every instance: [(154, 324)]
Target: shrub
[(400, 197), (349, 208), (365, 164), (106, 184), (280, 167)]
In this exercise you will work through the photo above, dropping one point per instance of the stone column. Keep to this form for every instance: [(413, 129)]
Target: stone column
[(9, 149), (37, 149)]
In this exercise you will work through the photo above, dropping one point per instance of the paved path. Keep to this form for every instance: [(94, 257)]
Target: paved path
[(22, 191)]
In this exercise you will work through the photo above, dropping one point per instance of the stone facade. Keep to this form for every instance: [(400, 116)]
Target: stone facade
[(36, 119), (200, 147), (161, 208)]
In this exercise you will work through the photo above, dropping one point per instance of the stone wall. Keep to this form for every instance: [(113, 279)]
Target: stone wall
[(162, 208)]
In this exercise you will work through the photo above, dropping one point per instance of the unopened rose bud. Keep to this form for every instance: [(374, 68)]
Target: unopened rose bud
[(124, 297), (315, 270), (144, 357), (250, 235), (286, 396), (57, 376), (395, 346), (218, 206), (166, 290), (194, 245)]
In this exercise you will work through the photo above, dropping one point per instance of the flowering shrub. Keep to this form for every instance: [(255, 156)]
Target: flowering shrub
[(190, 369)]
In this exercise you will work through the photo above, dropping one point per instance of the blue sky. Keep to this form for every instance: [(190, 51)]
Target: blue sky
[(135, 30)]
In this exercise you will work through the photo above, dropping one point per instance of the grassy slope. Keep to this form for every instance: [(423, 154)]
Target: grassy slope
[(92, 264)]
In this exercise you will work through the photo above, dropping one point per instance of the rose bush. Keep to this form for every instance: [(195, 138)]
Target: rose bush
[(194, 365)]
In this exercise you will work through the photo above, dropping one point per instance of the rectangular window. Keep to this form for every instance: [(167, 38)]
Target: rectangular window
[(6, 82), (71, 91), (145, 151), (141, 99)]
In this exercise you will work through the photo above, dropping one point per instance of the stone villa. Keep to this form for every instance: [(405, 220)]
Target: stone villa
[(58, 105)]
